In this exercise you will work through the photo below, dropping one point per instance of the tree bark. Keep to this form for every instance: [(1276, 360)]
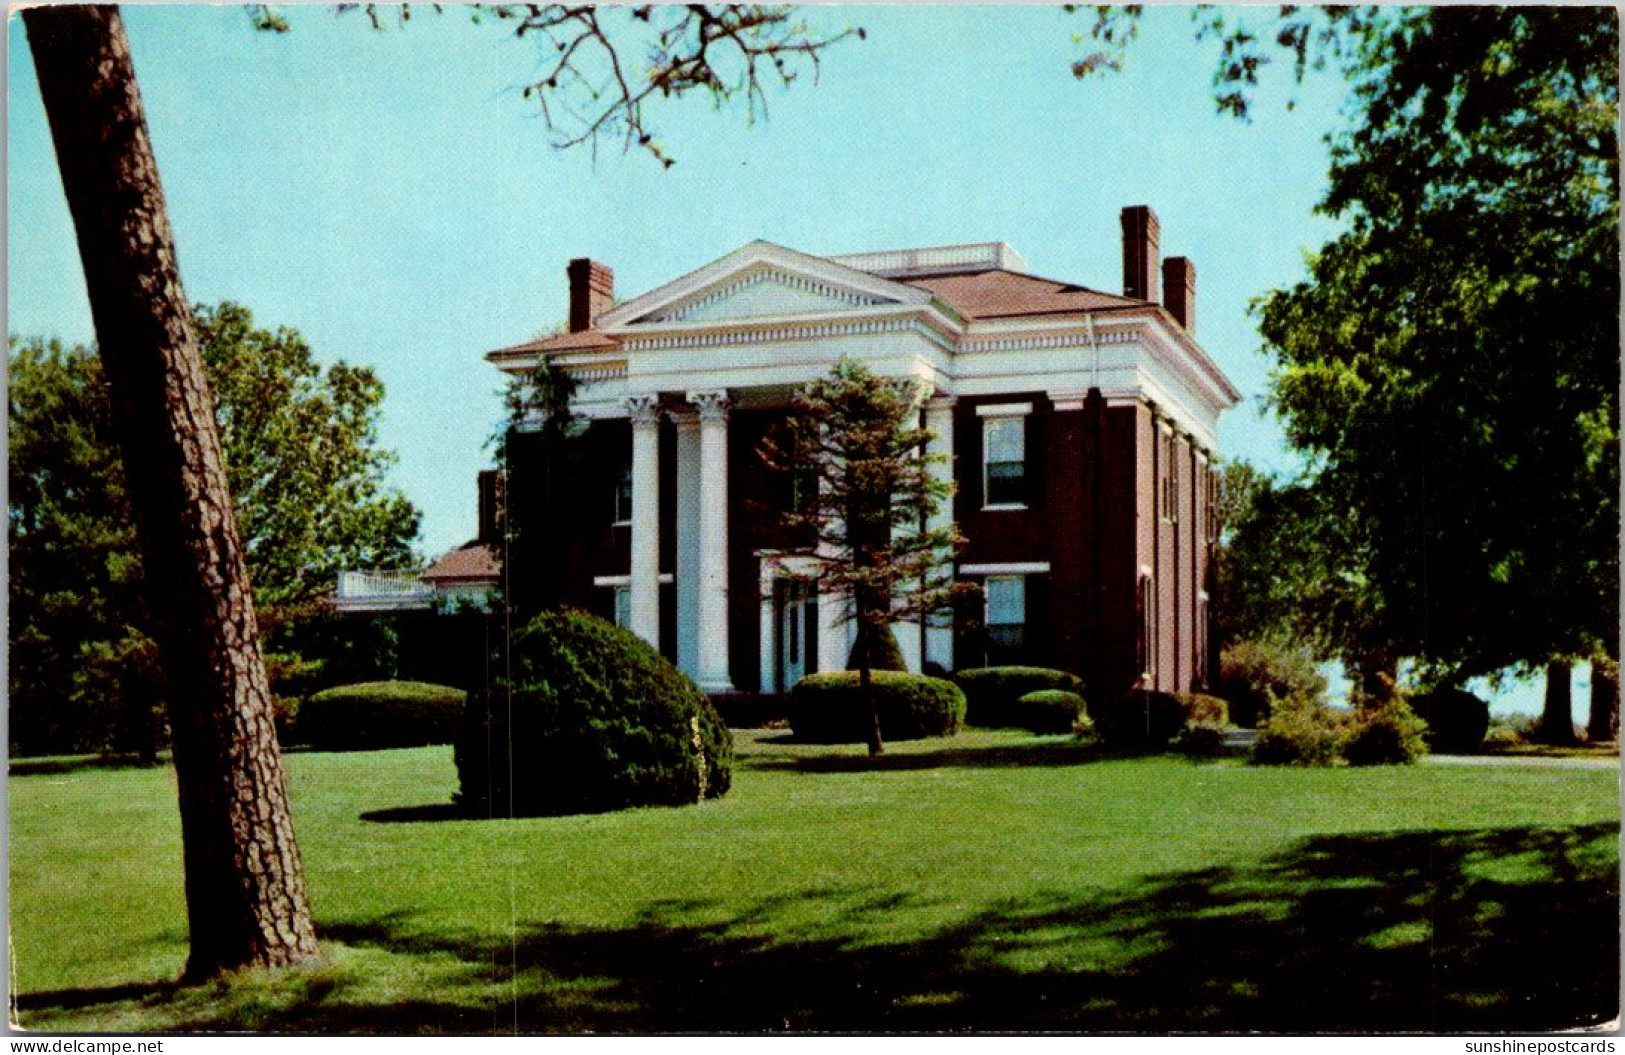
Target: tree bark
[(245, 885), (1557, 718), (1603, 723)]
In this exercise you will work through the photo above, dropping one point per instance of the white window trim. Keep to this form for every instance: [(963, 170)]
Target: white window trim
[(666, 579), (987, 600), (1031, 567), (1002, 412)]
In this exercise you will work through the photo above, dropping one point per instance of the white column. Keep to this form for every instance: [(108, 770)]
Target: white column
[(714, 676), (907, 631), (688, 543), (834, 635), (939, 421), (645, 580)]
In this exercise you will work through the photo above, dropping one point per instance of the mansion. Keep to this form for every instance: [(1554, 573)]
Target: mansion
[(1080, 427)]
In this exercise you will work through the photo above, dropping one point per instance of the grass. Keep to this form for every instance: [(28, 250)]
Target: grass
[(995, 881)]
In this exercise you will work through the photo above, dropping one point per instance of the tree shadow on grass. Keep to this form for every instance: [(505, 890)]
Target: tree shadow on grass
[(1001, 756), (434, 811), (1508, 930), (57, 765)]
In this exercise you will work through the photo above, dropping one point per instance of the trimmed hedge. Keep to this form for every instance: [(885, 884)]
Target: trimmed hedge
[(377, 714), (1050, 711), (593, 719), (829, 708), (1139, 720), (1457, 721), (992, 694)]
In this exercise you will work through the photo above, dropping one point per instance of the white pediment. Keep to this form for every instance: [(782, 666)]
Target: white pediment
[(766, 292), (760, 281)]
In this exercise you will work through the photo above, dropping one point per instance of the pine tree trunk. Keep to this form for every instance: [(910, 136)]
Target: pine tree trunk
[(1603, 723), (245, 886), (1557, 719), (866, 682)]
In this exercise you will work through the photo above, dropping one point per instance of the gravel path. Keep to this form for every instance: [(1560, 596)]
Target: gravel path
[(1522, 760)]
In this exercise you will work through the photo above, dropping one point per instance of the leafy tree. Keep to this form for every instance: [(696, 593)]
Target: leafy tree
[(73, 588), (306, 471), (1291, 569), (1451, 365), (245, 887), (870, 496), (303, 460)]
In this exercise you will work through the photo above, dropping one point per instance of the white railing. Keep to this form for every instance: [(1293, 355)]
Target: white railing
[(935, 258), (379, 591)]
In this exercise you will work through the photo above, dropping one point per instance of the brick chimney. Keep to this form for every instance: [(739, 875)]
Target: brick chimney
[(1179, 291), (592, 292), (1140, 252)]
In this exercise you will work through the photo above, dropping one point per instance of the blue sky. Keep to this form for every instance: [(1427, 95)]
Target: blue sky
[(392, 197)]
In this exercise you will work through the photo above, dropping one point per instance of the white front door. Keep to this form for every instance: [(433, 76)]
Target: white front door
[(798, 631)]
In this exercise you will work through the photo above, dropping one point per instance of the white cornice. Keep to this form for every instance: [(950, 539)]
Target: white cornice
[(890, 318)]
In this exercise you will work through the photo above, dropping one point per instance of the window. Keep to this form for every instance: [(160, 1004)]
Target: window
[(1170, 478), (1146, 637), (623, 606), (1004, 461), (623, 496), (1006, 597)]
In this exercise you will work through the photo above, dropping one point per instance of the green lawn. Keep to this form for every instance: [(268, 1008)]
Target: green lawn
[(996, 881)]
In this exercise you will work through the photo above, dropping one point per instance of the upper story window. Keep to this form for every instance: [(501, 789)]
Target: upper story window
[(1004, 455), (1169, 497), (623, 496)]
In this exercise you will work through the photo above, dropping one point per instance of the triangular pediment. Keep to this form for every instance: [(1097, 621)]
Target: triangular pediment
[(760, 281)]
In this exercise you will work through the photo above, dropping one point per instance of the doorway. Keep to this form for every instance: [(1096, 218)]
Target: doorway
[(796, 602)]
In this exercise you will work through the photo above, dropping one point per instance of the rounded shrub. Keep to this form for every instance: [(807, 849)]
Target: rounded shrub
[(1457, 721), (1050, 711), (593, 719), (992, 694), (1252, 674), (829, 708), (1139, 720), (1388, 735), (377, 714)]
